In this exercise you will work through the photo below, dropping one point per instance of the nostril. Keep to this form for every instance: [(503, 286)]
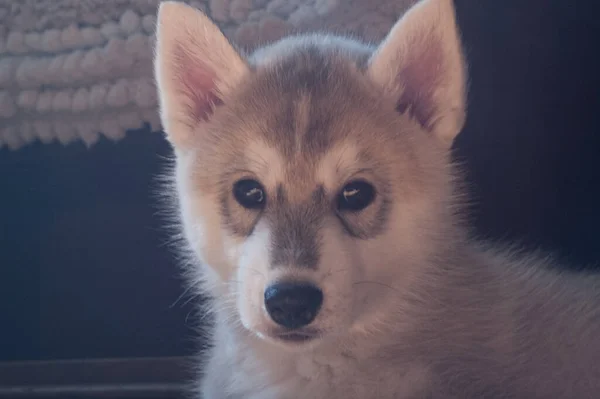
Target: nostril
[(293, 305)]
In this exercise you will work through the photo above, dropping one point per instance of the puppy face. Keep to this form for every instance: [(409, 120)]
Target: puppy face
[(310, 175)]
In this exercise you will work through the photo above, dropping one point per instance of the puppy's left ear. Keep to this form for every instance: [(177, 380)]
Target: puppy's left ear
[(421, 65)]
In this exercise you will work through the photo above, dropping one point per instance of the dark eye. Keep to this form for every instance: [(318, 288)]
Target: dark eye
[(249, 194), (355, 196)]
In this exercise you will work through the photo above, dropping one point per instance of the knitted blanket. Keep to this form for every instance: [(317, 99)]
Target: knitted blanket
[(81, 69)]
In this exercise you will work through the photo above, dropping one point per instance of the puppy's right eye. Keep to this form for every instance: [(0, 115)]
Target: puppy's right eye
[(249, 193)]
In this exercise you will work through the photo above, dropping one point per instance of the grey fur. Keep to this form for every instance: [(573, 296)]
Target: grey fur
[(296, 231)]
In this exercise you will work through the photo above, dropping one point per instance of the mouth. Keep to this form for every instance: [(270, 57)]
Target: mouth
[(295, 337)]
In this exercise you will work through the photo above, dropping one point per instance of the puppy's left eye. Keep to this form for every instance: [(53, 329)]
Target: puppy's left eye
[(355, 196)]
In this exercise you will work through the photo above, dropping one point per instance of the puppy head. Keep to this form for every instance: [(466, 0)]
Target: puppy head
[(312, 176)]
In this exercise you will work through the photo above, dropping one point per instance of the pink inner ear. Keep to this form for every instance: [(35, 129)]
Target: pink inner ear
[(197, 82), (421, 75)]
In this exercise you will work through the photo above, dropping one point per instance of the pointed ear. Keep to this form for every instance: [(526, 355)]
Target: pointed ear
[(421, 65), (195, 67)]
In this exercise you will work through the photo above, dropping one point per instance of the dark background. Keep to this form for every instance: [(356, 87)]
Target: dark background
[(84, 271)]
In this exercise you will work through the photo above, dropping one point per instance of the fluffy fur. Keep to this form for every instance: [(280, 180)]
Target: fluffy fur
[(414, 307)]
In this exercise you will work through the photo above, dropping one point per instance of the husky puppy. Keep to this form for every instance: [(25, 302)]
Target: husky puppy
[(321, 211)]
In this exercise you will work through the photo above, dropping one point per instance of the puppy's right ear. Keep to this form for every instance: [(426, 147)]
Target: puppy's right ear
[(195, 67)]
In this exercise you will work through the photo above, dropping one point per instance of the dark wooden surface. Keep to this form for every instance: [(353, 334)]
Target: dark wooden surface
[(84, 274), (124, 378)]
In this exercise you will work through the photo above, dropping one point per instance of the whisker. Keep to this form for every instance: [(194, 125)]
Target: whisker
[(338, 270), (377, 283), (256, 271), (192, 297), (181, 296)]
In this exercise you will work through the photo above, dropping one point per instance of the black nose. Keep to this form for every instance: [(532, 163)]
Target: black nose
[(293, 305)]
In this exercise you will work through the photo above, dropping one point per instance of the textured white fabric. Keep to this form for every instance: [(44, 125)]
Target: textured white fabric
[(77, 69)]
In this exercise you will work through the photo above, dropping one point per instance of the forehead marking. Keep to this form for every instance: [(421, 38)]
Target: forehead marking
[(301, 121)]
